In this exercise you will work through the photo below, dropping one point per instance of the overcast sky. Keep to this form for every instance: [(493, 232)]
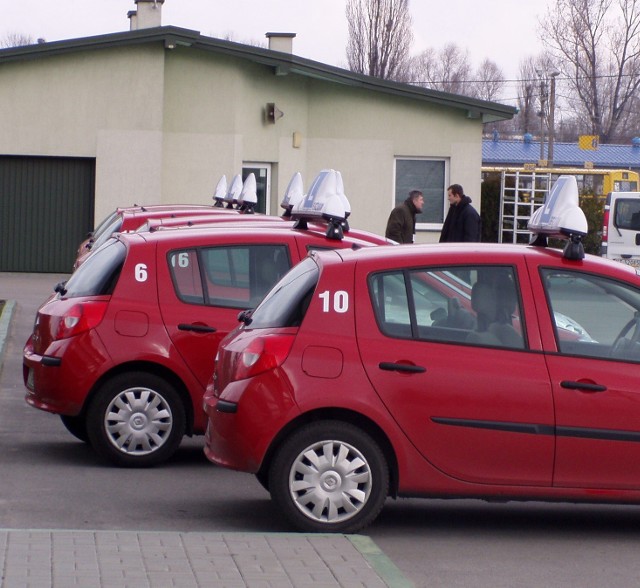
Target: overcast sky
[(504, 31)]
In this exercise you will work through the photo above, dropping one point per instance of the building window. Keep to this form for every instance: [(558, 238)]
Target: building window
[(430, 177)]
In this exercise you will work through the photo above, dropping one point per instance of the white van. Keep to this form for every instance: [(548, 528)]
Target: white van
[(621, 228)]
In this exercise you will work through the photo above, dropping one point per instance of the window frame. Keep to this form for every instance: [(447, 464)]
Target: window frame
[(399, 198)]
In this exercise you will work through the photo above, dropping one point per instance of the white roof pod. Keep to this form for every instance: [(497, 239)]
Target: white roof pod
[(248, 197), (561, 218), (293, 194), (232, 194), (220, 192), (322, 202)]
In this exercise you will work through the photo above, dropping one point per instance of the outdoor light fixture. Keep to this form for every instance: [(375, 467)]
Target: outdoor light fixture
[(273, 113)]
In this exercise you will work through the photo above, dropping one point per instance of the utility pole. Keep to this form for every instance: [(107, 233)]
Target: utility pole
[(552, 109), (541, 114)]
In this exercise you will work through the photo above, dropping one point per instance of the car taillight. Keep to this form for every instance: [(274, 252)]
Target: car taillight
[(262, 354), (605, 226), (80, 318)]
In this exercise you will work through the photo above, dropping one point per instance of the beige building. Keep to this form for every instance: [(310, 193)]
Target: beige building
[(158, 114)]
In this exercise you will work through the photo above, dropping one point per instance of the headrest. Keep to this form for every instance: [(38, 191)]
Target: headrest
[(483, 301)]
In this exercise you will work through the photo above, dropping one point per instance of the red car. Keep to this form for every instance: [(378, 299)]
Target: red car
[(124, 350), (465, 370), (132, 218)]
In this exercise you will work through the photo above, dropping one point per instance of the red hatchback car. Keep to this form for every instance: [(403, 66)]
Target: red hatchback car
[(131, 219), (490, 371), (124, 350)]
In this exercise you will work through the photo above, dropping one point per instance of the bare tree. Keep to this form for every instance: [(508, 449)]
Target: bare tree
[(448, 70), (597, 46), (380, 37), (15, 40), (488, 81)]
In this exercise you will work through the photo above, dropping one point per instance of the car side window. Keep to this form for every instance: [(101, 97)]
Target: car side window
[(185, 273), (593, 316), (475, 305), (230, 276)]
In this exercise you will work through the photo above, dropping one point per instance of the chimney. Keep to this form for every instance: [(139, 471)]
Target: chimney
[(281, 42), (132, 15), (147, 15)]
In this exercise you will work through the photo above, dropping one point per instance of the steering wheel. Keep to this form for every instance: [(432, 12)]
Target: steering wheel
[(622, 347)]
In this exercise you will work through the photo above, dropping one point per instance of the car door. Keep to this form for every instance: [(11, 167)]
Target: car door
[(473, 398), (206, 286), (595, 377)]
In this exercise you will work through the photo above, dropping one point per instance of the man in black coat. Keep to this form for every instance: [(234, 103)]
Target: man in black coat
[(401, 225), (463, 222)]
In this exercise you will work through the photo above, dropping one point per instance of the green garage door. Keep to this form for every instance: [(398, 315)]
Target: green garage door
[(46, 209)]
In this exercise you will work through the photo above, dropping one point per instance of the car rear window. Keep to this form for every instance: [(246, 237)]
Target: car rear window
[(99, 274), (287, 303), (113, 227), (627, 214)]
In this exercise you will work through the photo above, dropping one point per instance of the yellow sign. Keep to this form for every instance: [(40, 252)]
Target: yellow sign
[(588, 165), (529, 167), (543, 162), (588, 142)]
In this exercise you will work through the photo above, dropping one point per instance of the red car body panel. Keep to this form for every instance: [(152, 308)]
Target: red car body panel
[(475, 422), (146, 323)]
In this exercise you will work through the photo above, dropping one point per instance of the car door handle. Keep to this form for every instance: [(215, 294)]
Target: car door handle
[(401, 367), (196, 328), (585, 386)]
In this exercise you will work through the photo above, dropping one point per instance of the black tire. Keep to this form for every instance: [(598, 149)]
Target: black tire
[(330, 496), (136, 419), (263, 479), (77, 426)]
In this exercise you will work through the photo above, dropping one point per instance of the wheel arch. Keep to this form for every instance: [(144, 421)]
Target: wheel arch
[(336, 414), (154, 369)]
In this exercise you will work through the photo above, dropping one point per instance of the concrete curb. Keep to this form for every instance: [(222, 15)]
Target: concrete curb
[(384, 567), (5, 321)]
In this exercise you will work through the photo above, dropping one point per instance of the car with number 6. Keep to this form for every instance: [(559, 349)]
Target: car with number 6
[(124, 349), (498, 372)]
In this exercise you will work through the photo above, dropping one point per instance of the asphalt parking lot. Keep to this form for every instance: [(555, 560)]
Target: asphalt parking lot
[(68, 557)]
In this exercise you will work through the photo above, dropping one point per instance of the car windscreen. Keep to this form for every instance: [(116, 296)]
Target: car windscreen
[(287, 303), (99, 274)]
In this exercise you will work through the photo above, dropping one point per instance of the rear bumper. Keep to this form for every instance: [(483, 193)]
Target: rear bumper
[(60, 380), (245, 419)]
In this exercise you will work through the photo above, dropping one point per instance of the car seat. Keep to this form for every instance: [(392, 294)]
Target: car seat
[(455, 317), (494, 304), (483, 302), (502, 326)]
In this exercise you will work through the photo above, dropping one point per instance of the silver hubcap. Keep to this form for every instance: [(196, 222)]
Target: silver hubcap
[(138, 421), (330, 481)]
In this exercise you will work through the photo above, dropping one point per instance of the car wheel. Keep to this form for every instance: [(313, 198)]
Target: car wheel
[(329, 476), (136, 420), (76, 425)]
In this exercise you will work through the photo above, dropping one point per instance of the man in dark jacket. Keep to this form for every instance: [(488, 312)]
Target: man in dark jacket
[(463, 222), (401, 225)]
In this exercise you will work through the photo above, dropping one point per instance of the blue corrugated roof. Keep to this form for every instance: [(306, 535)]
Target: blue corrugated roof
[(517, 153)]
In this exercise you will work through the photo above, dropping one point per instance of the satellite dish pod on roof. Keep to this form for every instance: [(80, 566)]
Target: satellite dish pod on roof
[(322, 203), (293, 194), (231, 197), (220, 193), (248, 197), (561, 218)]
